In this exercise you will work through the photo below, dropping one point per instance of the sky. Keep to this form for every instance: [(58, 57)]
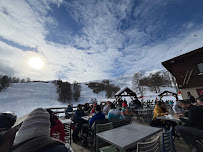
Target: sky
[(85, 40)]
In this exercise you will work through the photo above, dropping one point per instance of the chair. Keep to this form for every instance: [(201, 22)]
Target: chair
[(67, 128), (151, 146), (167, 141), (117, 122), (101, 143)]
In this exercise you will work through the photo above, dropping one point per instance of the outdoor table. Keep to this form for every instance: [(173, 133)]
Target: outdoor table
[(171, 118), (66, 121), (87, 118), (128, 136)]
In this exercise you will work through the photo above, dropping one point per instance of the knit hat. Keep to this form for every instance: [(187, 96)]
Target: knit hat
[(35, 125), (124, 105)]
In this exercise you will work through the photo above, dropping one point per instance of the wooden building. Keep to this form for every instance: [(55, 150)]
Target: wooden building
[(188, 71)]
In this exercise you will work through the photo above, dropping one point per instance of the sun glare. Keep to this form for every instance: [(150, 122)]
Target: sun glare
[(36, 63)]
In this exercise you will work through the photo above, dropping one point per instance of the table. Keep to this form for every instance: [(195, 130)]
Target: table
[(87, 118), (143, 110), (65, 121), (171, 118), (128, 136)]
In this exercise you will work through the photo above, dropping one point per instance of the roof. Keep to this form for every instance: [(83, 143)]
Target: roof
[(167, 64), (127, 90), (161, 94)]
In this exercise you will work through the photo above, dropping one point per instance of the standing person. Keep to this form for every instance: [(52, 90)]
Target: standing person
[(56, 126), (193, 128), (34, 135), (190, 97), (107, 108), (115, 114)]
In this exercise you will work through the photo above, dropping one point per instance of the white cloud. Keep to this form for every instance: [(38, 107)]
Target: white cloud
[(106, 47)]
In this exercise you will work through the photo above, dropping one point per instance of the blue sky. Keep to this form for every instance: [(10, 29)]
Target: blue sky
[(83, 40)]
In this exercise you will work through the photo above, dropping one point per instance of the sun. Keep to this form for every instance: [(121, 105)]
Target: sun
[(36, 63)]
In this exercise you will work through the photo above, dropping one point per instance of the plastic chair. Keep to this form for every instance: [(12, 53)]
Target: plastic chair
[(151, 146), (101, 143), (167, 141)]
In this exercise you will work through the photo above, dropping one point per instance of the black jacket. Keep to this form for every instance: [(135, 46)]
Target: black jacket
[(195, 119)]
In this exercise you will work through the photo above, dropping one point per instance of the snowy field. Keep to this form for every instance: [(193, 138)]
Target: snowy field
[(22, 98)]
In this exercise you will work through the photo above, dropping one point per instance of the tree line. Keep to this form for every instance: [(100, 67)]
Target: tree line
[(105, 85), (153, 81), (5, 81), (68, 91)]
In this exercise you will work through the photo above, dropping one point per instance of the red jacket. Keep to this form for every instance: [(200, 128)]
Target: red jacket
[(58, 128)]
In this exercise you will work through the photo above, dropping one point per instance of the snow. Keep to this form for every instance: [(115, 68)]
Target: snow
[(22, 98)]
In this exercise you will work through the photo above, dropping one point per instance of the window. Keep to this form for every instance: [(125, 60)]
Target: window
[(200, 68)]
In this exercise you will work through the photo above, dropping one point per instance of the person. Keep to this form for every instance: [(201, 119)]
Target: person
[(137, 103), (7, 134), (34, 135), (115, 114), (126, 110), (78, 114), (56, 126), (69, 109), (193, 128), (93, 109), (200, 100), (177, 108), (86, 107), (86, 127), (107, 108), (191, 98), (160, 110)]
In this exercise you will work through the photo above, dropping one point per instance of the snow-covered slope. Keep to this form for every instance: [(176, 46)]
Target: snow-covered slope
[(21, 98)]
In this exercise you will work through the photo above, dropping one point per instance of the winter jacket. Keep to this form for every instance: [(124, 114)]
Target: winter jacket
[(78, 114), (69, 109), (40, 144), (106, 109), (195, 120), (158, 112), (115, 114), (126, 111), (97, 116), (58, 128)]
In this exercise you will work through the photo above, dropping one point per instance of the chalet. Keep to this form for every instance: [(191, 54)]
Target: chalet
[(188, 71)]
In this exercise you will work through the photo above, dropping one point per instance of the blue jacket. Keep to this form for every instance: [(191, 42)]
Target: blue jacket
[(98, 116)]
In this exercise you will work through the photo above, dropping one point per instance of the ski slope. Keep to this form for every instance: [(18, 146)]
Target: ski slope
[(22, 98)]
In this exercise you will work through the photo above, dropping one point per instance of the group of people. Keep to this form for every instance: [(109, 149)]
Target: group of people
[(189, 112), (99, 112), (35, 134)]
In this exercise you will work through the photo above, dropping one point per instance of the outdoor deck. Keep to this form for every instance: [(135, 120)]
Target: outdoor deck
[(180, 145)]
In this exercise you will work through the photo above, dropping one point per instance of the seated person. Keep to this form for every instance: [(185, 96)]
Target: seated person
[(126, 110), (69, 109), (56, 126), (85, 128), (115, 114), (177, 108), (93, 109), (200, 100), (86, 107), (7, 134), (160, 110), (78, 114), (137, 103), (193, 128), (34, 135), (107, 108)]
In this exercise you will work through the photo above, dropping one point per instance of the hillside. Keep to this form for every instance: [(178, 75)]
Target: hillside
[(21, 98)]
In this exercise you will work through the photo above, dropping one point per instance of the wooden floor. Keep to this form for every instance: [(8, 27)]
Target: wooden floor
[(180, 145)]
